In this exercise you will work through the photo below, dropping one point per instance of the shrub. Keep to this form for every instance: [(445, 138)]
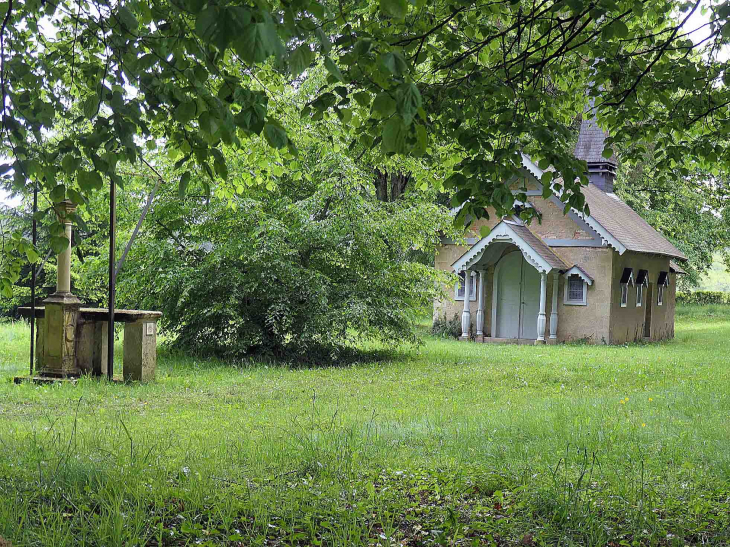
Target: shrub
[(288, 278), (446, 328), (703, 298)]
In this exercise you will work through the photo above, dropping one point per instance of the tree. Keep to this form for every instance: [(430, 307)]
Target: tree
[(491, 79), (302, 268), (691, 211)]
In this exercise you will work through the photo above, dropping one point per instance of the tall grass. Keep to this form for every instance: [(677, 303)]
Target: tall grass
[(454, 444)]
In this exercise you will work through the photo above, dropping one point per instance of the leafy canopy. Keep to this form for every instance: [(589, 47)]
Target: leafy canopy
[(88, 86)]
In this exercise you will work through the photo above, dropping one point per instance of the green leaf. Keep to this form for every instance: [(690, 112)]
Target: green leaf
[(275, 135), (394, 8), (394, 136), (194, 6), (219, 164), (183, 186), (620, 29), (31, 254), (206, 23), (409, 103), (58, 194), (546, 177), (59, 244), (421, 140), (127, 18), (80, 222), (185, 111), (362, 98), (91, 106), (323, 40), (75, 196), (333, 69), (89, 181), (607, 153), (394, 63), (345, 115), (70, 163), (300, 59), (383, 105), (258, 42)]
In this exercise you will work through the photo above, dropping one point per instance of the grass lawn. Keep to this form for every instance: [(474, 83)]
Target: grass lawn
[(451, 444)]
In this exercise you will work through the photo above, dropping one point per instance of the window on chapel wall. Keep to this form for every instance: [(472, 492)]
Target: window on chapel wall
[(662, 282), (575, 291), (642, 280), (627, 278), (472, 287)]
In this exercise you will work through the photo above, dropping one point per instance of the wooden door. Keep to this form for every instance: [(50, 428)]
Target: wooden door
[(508, 296), (648, 301), (518, 298), (530, 301)]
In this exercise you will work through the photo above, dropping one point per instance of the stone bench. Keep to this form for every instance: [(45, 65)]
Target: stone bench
[(90, 342)]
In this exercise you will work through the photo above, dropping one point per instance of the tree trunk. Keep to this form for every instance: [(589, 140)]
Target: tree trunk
[(397, 183)]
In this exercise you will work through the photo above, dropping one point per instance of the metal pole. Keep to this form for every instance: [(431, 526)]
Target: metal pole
[(112, 278), (33, 280)]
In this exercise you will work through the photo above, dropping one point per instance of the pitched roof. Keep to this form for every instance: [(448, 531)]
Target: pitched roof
[(539, 246), (577, 270), (531, 246), (675, 268), (616, 220), (591, 138), (625, 224)]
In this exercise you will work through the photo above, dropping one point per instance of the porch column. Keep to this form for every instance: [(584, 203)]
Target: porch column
[(480, 305), (466, 314), (554, 308), (541, 315)]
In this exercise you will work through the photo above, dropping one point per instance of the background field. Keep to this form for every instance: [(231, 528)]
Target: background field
[(450, 443)]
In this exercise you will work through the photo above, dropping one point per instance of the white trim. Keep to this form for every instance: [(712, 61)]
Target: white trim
[(503, 233), (532, 168), (595, 242), (660, 295), (495, 289), (624, 291), (639, 295), (566, 289), (472, 294), (575, 270), (574, 214)]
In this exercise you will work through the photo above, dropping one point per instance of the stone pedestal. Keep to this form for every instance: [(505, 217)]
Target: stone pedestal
[(140, 350), (72, 341), (57, 334), (91, 346)]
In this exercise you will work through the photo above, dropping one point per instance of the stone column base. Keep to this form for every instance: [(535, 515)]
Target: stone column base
[(140, 350), (58, 347)]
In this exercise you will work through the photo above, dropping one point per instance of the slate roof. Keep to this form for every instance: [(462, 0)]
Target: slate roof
[(625, 224), (675, 268), (590, 143), (539, 246)]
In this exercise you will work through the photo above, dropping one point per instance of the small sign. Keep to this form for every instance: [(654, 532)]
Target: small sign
[(150, 329)]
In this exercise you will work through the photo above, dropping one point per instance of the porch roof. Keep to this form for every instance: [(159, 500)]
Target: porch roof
[(532, 247)]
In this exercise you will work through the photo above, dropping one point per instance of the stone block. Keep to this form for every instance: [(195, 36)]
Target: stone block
[(140, 350), (59, 345)]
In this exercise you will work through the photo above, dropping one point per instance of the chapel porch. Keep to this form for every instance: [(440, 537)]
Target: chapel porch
[(514, 281)]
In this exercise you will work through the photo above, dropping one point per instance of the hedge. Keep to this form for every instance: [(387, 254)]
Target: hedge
[(703, 297)]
